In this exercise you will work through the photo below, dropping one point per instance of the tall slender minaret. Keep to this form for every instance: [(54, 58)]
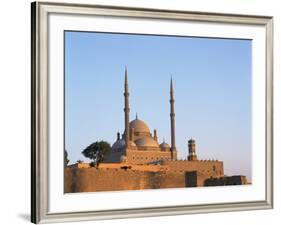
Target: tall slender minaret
[(126, 111), (172, 116)]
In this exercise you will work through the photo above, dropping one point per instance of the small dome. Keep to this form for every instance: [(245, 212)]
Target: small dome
[(118, 144), (164, 145), (146, 142), (139, 126), (191, 141)]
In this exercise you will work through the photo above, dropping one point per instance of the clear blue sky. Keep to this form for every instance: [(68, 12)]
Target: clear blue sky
[(212, 83)]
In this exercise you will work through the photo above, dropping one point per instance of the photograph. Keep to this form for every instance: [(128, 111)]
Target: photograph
[(141, 112), (146, 111)]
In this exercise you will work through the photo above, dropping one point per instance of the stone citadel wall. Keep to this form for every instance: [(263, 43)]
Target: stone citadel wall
[(92, 179), (209, 168), (220, 181), (81, 177), (113, 178)]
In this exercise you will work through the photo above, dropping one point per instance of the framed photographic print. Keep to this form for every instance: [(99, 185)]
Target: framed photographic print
[(149, 112)]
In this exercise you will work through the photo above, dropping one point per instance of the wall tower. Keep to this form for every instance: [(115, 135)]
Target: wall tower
[(191, 150)]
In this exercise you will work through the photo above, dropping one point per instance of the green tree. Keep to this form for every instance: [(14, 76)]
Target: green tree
[(66, 160), (97, 151)]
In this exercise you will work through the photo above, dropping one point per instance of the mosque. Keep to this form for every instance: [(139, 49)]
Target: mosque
[(138, 145), (137, 161)]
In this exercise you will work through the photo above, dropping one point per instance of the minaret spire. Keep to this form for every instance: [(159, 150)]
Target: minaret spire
[(172, 116), (126, 110)]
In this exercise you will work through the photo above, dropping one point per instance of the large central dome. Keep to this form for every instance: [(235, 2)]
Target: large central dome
[(139, 126), (146, 142)]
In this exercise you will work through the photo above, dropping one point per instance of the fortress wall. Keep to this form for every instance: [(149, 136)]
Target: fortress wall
[(172, 180), (208, 168), (226, 180), (92, 179), (68, 180), (201, 177), (110, 178), (195, 179)]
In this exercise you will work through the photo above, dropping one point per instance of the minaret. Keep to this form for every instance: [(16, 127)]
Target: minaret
[(191, 150), (172, 116), (155, 135), (126, 111)]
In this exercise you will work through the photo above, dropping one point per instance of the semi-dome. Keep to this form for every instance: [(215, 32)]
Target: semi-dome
[(139, 126), (118, 144), (146, 142), (121, 144), (164, 145)]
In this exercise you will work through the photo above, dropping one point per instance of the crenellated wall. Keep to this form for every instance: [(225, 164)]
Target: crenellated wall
[(136, 177), (210, 168), (125, 176), (92, 179), (227, 180)]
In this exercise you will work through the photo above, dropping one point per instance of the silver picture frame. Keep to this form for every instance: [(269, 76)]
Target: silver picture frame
[(40, 92)]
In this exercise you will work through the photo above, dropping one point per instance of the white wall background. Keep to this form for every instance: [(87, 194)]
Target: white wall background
[(15, 110)]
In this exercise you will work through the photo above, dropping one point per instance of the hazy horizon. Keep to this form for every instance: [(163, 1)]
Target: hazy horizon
[(212, 85)]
